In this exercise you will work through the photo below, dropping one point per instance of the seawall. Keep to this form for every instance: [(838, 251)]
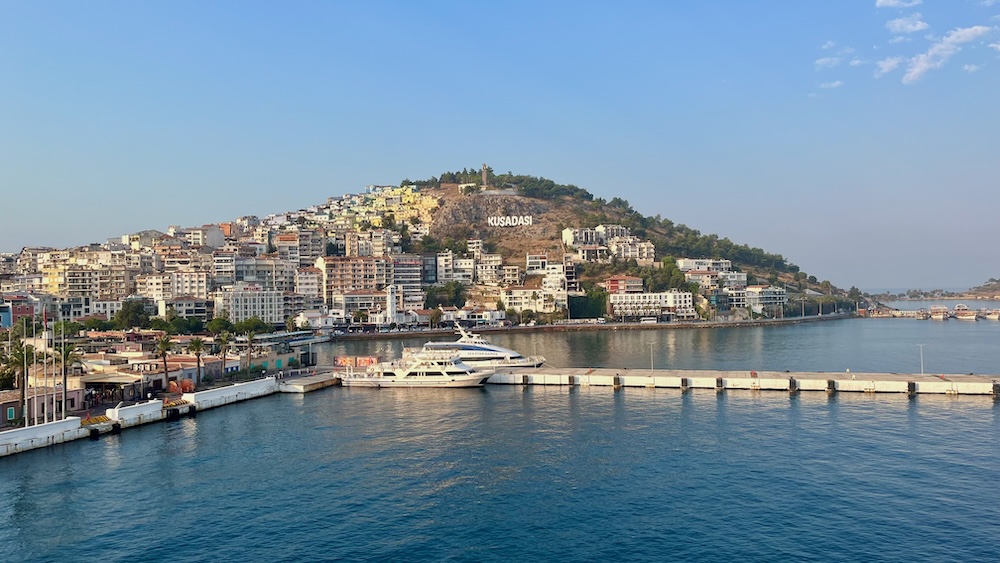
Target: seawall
[(790, 382)]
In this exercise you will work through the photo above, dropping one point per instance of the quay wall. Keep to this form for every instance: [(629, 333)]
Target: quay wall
[(911, 384), (141, 413), (232, 393), (41, 435)]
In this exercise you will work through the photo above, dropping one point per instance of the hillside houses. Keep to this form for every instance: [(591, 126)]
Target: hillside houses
[(344, 256)]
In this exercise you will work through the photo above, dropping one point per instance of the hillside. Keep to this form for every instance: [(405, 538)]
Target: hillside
[(465, 215)]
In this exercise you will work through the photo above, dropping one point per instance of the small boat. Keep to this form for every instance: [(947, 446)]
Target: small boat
[(476, 351), (964, 313), (993, 315), (425, 369), (939, 313)]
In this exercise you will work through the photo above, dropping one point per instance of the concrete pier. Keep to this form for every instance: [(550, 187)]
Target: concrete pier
[(309, 383), (115, 419), (789, 382)]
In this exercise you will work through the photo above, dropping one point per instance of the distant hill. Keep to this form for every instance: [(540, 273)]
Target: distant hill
[(464, 214)]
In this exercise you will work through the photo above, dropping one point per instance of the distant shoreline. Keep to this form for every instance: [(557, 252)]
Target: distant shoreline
[(587, 327)]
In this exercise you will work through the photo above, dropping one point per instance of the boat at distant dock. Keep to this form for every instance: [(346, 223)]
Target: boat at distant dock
[(476, 351), (964, 313), (424, 369)]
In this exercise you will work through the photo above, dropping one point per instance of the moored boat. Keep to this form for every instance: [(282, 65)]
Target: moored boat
[(964, 313), (476, 351), (425, 369), (939, 313)]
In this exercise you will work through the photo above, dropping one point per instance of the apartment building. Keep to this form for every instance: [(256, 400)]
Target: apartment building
[(344, 273), (243, 301)]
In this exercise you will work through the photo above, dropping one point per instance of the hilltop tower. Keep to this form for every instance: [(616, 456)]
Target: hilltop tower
[(484, 176)]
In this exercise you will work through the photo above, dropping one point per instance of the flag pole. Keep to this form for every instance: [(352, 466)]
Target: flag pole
[(34, 362), (63, 355)]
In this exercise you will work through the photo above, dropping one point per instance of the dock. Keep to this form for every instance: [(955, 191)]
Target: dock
[(122, 417), (309, 383), (785, 381)]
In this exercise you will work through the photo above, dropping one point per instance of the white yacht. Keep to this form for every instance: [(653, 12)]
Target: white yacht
[(425, 369), (476, 351)]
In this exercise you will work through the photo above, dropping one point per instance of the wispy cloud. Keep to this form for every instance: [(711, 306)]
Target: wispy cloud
[(899, 39), (828, 45), (971, 68), (909, 24), (995, 45), (886, 66), (835, 84), (897, 3), (989, 3), (940, 52), (827, 62), (856, 62)]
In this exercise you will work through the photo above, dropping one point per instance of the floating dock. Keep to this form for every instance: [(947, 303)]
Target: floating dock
[(787, 381)]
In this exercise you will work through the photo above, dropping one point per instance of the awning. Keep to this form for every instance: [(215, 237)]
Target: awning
[(112, 378)]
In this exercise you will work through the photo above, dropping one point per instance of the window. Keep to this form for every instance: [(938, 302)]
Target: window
[(10, 413)]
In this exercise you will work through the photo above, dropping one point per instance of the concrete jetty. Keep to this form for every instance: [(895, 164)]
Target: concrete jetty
[(787, 381), (118, 418)]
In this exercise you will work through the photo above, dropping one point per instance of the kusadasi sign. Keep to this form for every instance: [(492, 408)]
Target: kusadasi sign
[(509, 221)]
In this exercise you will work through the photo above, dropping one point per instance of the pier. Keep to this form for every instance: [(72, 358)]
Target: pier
[(188, 404), (785, 381)]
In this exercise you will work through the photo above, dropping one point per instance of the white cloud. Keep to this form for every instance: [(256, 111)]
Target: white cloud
[(828, 85), (827, 62), (887, 65), (856, 62), (910, 24), (995, 45), (897, 3), (828, 45), (971, 68), (899, 39), (940, 52), (988, 3)]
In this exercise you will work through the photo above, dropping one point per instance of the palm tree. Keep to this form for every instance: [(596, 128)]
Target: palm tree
[(197, 346), (66, 355), (17, 360), (250, 336), (222, 340), (163, 348)]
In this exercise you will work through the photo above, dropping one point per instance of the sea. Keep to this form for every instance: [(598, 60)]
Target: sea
[(512, 473)]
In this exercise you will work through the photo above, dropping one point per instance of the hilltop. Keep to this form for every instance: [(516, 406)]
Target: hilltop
[(464, 210)]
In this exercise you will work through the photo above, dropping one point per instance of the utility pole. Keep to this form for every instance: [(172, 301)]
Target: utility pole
[(921, 358)]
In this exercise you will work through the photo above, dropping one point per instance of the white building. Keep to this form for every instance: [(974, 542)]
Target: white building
[(712, 264), (244, 300)]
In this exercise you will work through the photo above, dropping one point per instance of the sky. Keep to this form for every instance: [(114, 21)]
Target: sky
[(857, 138)]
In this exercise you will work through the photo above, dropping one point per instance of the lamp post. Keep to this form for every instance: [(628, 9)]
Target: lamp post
[(921, 358), (650, 356)]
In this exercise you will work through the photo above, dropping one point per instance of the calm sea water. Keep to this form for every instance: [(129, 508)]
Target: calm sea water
[(549, 473)]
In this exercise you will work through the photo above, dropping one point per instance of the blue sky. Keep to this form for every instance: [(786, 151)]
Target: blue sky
[(857, 138)]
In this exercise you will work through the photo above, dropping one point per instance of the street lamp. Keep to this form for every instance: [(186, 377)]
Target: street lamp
[(921, 358), (650, 356)]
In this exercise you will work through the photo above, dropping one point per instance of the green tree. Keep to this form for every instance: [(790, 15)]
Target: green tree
[(157, 323), (435, 317), (97, 324), (222, 340), (16, 360), (219, 325), (197, 347), (132, 315), (66, 327), (164, 345)]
